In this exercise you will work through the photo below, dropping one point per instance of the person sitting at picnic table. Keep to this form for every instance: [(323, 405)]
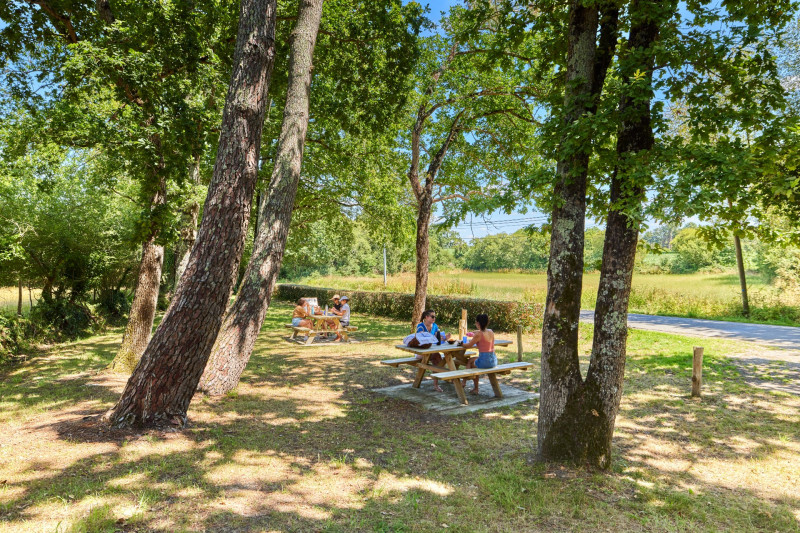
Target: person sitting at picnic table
[(299, 315), (345, 314), (484, 339), (429, 325)]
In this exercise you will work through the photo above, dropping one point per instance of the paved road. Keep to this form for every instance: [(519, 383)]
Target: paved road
[(778, 336)]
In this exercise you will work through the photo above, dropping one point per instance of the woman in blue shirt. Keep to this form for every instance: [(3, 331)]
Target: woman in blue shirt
[(428, 325)]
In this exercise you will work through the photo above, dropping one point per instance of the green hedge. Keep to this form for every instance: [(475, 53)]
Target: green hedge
[(503, 316)]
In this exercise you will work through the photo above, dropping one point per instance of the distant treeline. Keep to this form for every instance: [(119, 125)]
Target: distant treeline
[(663, 249)]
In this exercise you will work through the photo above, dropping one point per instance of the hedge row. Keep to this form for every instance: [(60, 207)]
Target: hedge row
[(503, 316)]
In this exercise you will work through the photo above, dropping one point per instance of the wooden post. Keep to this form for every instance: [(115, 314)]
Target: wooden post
[(697, 370), (519, 343), (462, 324)]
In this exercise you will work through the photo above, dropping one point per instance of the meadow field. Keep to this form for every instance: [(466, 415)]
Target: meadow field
[(9, 295), (701, 295)]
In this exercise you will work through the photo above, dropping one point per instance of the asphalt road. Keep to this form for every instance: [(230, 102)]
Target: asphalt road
[(777, 336)]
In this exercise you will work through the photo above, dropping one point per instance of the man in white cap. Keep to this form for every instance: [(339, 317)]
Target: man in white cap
[(345, 313)]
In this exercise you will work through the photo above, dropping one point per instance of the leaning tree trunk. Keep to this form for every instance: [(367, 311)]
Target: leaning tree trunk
[(143, 308), (145, 296), (162, 385), (561, 377), (243, 321)]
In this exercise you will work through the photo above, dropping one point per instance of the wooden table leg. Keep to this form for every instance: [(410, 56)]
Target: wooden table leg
[(495, 386), (311, 336), (448, 359), (420, 371)]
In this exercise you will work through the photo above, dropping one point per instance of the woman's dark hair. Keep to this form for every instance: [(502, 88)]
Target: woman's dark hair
[(426, 314), (482, 320), (300, 301)]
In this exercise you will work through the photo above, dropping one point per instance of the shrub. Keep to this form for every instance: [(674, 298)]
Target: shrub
[(67, 319), (503, 316), (14, 333)]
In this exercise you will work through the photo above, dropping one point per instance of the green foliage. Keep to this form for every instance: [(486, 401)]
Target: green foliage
[(65, 318), (693, 253), (522, 250), (15, 335), (503, 316)]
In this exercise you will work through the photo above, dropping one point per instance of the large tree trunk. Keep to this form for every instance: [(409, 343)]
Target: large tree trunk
[(162, 385), (423, 247), (584, 430), (143, 309), (243, 321), (586, 68)]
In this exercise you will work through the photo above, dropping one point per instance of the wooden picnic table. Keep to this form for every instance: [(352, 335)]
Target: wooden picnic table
[(454, 355)]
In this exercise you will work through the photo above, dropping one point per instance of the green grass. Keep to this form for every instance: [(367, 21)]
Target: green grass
[(703, 295), (305, 445)]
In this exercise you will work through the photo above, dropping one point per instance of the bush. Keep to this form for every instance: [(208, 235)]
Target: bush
[(503, 316), (14, 332), (114, 305), (67, 319)]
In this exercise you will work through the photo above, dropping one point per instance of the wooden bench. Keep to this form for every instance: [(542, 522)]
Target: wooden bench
[(468, 373)]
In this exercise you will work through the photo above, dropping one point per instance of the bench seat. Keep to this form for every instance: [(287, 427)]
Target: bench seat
[(403, 361), (472, 372)]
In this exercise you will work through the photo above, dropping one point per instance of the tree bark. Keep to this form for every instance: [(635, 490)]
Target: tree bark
[(145, 297), (162, 385), (742, 276), (424, 207), (584, 430), (587, 64), (243, 321), (143, 309)]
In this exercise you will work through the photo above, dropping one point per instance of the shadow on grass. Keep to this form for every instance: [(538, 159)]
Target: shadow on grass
[(304, 445)]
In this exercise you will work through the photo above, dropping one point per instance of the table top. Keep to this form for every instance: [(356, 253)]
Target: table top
[(440, 348), (325, 316)]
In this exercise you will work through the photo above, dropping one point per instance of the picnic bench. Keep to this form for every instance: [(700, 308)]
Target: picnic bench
[(454, 355)]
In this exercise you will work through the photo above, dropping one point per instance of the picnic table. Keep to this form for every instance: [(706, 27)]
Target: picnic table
[(319, 321), (454, 355)]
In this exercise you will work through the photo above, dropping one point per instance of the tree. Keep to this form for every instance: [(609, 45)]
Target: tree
[(587, 62), (162, 385), (474, 103), (577, 415), (244, 319), (135, 80)]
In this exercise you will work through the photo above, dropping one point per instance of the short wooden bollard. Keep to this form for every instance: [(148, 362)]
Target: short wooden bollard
[(697, 370), (519, 343)]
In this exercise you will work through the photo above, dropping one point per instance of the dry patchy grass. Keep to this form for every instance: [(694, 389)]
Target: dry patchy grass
[(304, 445)]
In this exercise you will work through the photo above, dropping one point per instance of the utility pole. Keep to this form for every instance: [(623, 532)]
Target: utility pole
[(384, 266)]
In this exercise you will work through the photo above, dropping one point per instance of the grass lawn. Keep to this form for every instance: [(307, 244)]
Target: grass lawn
[(702, 295), (305, 445)]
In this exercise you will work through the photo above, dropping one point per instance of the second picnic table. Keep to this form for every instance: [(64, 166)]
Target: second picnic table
[(454, 355)]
